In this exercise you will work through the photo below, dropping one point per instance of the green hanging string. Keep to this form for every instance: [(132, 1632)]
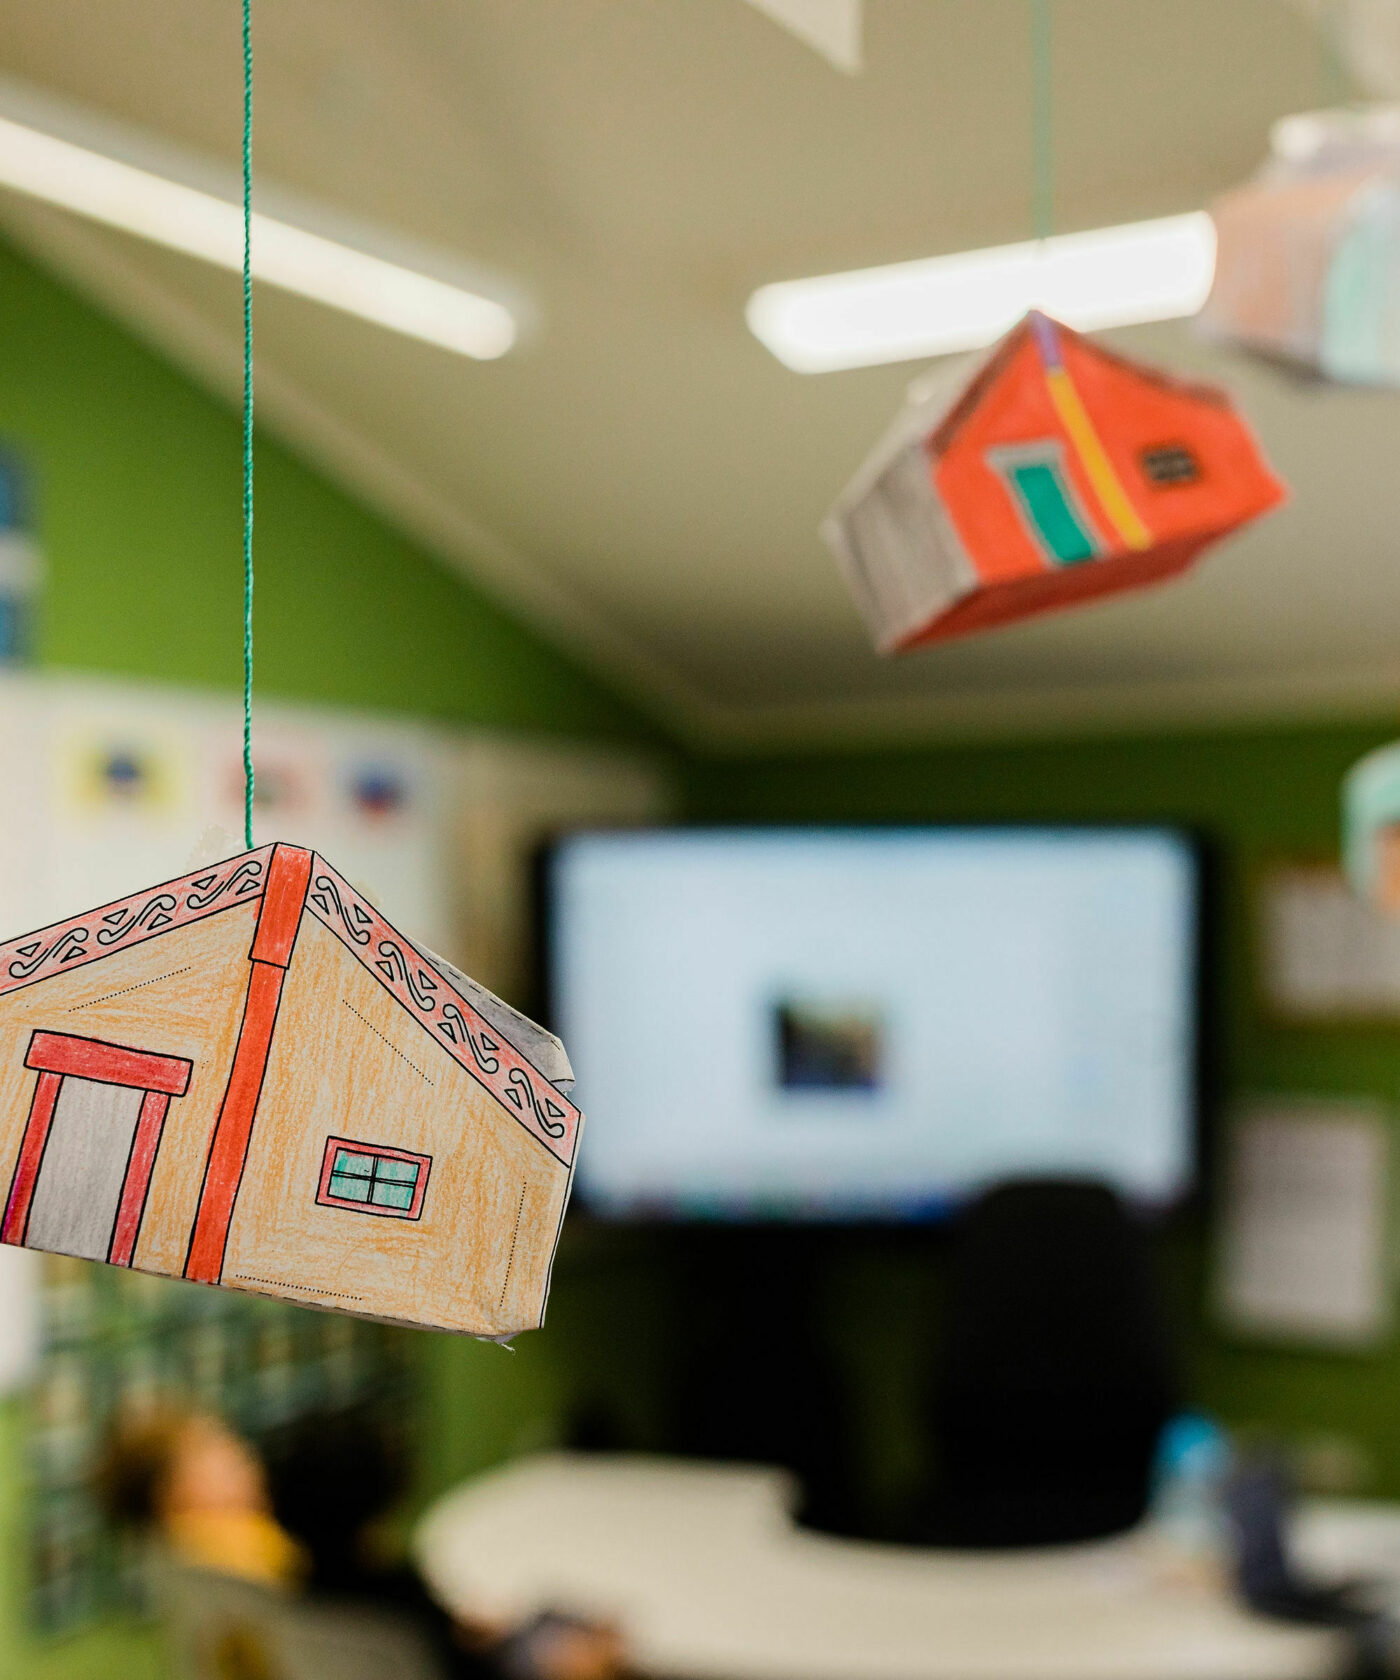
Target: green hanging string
[(1042, 133), (1332, 78), (248, 424)]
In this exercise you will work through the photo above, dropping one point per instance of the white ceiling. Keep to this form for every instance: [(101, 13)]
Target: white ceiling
[(640, 478)]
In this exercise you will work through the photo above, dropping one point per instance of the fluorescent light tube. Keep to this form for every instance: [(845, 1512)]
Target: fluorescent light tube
[(209, 225), (1108, 277)]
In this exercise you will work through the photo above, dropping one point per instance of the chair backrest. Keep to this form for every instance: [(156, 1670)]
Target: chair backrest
[(225, 1629), (1055, 1379)]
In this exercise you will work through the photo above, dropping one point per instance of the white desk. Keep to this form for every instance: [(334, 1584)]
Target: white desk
[(703, 1570)]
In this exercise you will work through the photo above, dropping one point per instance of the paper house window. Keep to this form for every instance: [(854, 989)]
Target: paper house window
[(1036, 479), (1170, 463), (371, 1179), (89, 1146)]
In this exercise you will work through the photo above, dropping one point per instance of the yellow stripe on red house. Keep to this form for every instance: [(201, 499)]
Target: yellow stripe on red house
[(1107, 486)]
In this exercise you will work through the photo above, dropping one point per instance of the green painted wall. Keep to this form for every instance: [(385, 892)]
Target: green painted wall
[(1257, 795), (139, 502), (136, 474)]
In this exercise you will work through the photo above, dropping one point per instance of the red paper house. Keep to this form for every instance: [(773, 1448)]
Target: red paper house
[(1060, 472)]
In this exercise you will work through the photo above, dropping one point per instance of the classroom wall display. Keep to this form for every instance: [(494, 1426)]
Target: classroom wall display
[(1308, 252), (1058, 472), (109, 786), (247, 1076), (1302, 1252), (1371, 828), (1326, 955)]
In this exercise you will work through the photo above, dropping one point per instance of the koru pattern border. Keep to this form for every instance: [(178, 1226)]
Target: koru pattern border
[(524, 1092), (117, 927)]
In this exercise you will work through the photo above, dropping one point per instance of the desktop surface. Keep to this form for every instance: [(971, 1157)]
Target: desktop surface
[(708, 1579)]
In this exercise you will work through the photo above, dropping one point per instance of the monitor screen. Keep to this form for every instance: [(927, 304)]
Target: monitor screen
[(826, 1024)]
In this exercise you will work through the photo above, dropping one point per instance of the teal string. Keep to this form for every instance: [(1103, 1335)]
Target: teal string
[(1042, 132), (1332, 78), (248, 424)]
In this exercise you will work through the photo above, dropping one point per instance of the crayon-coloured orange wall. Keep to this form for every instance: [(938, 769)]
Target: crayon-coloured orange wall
[(478, 1253)]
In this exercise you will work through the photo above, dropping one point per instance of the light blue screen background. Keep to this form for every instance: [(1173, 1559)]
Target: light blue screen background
[(1034, 991)]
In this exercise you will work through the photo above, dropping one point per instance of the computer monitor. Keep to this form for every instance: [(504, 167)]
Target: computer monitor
[(873, 1025)]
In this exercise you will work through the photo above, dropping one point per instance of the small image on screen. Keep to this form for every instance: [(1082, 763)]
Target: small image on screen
[(828, 1048)]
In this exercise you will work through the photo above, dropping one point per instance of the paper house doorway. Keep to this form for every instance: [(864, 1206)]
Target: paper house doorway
[(85, 1163)]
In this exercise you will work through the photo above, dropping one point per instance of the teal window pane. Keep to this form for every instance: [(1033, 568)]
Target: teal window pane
[(1045, 499), (382, 1183)]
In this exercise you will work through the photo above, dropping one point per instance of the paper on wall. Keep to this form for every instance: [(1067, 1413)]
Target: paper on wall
[(1302, 1250), (1326, 954)]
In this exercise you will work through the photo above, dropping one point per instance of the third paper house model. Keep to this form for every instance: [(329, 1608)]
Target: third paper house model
[(1307, 265), (1060, 471), (249, 1078)]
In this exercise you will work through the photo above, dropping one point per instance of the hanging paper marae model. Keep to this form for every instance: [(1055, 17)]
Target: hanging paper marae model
[(248, 1077), (1371, 828), (1057, 473), (1308, 253)]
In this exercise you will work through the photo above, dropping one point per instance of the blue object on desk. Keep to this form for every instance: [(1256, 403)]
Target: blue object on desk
[(1189, 1472)]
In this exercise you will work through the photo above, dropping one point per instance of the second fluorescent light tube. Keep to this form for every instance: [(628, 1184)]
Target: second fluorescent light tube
[(1108, 277)]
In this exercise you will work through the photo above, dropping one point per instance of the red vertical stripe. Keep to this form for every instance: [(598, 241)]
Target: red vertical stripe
[(279, 915), (138, 1177), (31, 1152)]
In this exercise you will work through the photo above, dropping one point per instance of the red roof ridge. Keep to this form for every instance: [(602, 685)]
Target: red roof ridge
[(102, 932), (952, 422)]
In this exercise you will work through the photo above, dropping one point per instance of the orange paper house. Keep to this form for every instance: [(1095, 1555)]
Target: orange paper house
[(248, 1077), (1060, 472)]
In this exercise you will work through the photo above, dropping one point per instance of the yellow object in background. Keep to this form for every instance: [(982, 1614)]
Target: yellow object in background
[(248, 1544)]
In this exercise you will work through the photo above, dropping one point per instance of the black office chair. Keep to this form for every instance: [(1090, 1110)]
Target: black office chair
[(1054, 1379)]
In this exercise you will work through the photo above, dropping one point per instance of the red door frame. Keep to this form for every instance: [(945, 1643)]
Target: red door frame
[(56, 1055)]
